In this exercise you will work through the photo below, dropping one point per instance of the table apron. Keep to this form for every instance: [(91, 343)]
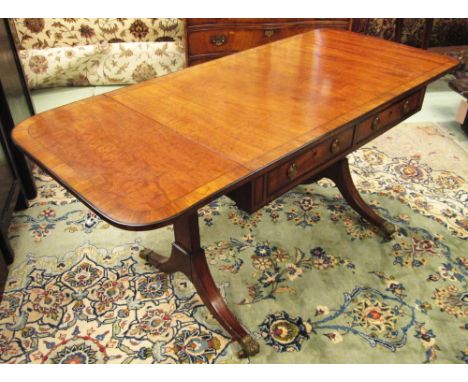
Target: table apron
[(315, 158)]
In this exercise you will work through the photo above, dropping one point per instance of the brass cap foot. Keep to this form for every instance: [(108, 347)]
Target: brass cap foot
[(249, 346)]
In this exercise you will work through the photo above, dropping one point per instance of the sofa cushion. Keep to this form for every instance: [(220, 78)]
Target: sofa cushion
[(101, 64)]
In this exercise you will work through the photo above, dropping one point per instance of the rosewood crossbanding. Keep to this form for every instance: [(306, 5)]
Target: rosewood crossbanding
[(252, 126)]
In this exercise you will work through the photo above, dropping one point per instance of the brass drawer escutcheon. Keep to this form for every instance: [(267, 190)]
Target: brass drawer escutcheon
[(406, 107), (269, 32), (292, 171), (335, 146), (218, 40), (375, 123)]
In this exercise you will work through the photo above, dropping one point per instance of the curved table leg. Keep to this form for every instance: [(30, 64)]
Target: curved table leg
[(340, 174), (188, 257)]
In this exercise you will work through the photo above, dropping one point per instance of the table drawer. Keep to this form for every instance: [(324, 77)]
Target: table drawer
[(287, 173), (237, 39), (388, 116)]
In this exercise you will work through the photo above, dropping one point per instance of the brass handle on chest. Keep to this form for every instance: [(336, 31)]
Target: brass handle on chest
[(375, 123), (292, 171), (269, 32), (406, 107), (335, 146), (218, 40)]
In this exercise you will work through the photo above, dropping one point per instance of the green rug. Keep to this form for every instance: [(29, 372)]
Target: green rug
[(312, 281)]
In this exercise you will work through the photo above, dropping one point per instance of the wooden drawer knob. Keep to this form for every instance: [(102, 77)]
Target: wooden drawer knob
[(335, 146), (406, 107), (375, 123), (292, 171), (218, 40)]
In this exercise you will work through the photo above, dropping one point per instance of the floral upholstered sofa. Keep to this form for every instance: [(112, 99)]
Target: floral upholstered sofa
[(66, 59)]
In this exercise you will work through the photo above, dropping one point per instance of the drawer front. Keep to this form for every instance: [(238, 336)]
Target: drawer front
[(233, 40), (287, 173), (378, 122)]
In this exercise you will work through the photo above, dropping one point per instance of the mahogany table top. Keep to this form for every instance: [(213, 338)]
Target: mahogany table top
[(142, 155)]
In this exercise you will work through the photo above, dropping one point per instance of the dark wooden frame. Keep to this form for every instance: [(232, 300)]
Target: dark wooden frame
[(3, 275), (15, 198), (16, 106)]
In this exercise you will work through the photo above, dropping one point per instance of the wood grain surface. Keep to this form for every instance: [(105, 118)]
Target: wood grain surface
[(142, 155)]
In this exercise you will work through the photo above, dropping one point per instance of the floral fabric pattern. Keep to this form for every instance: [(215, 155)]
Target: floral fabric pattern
[(445, 32), (40, 33), (104, 64)]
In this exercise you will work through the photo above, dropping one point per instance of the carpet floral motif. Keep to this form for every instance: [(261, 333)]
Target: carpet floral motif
[(377, 318), (441, 195), (311, 280), (132, 309)]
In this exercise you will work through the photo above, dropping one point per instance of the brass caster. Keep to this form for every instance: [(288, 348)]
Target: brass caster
[(389, 229), (249, 347)]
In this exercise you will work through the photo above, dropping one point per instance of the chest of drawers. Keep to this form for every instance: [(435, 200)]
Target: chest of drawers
[(212, 38)]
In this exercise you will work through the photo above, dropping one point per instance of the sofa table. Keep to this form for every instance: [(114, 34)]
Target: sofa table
[(252, 126)]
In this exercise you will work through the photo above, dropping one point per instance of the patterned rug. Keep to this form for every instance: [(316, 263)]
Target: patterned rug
[(311, 280)]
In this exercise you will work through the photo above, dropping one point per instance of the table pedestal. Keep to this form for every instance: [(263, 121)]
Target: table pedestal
[(188, 257)]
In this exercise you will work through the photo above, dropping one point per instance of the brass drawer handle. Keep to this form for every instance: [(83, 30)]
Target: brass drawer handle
[(292, 171), (269, 32), (218, 40), (375, 123), (335, 146), (406, 107)]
